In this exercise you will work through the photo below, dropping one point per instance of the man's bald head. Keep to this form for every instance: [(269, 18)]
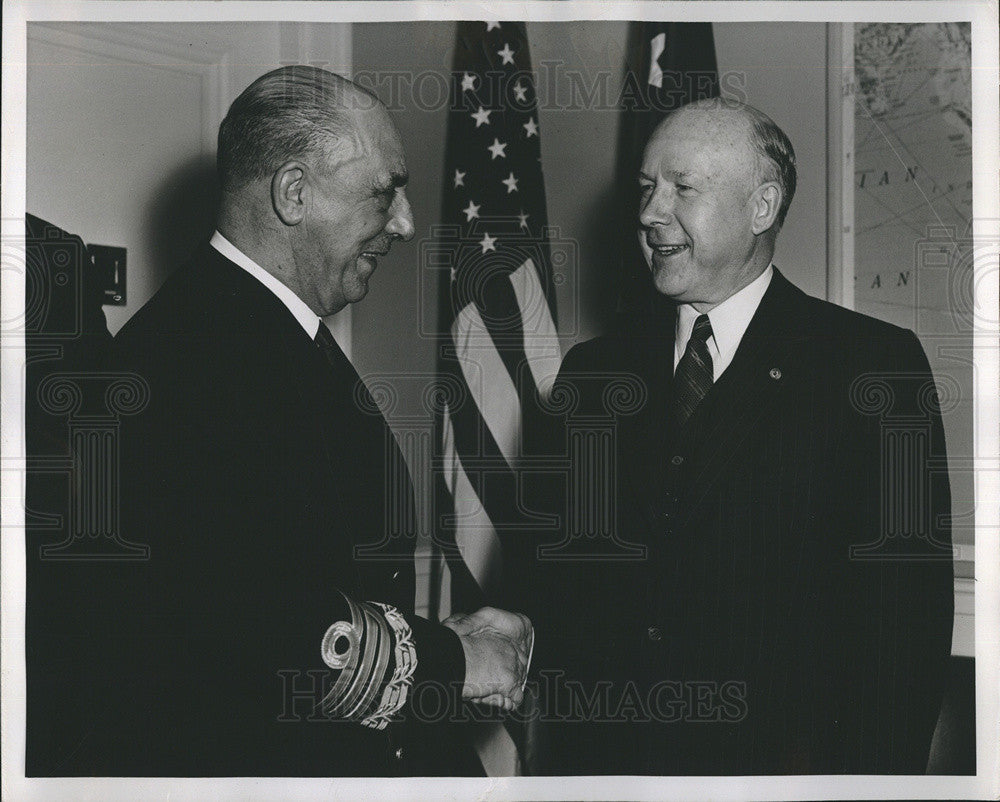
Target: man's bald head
[(290, 112), (775, 156)]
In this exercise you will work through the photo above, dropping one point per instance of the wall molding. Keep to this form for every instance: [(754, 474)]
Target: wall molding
[(963, 641), (840, 163), (164, 47)]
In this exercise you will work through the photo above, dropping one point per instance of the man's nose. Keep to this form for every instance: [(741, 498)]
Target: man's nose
[(401, 222), (658, 208)]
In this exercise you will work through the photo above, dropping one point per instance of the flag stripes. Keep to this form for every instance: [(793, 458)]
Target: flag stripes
[(496, 305), (541, 343), (474, 535), (497, 321), (489, 379)]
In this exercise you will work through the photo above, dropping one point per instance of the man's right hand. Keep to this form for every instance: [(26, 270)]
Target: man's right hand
[(497, 647)]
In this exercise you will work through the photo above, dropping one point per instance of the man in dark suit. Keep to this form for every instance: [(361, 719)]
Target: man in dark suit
[(271, 631), (775, 595)]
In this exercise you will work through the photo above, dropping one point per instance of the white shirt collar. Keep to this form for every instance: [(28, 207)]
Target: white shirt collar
[(306, 317), (729, 319)]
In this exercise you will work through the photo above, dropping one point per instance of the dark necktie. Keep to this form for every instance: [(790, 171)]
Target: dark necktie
[(693, 377), (328, 345), (342, 365)]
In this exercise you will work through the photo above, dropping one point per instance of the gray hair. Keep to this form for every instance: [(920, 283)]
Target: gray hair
[(776, 157), (290, 112)]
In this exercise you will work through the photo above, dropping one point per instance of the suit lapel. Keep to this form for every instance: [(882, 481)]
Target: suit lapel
[(644, 436), (288, 351), (338, 440), (746, 394), (655, 368), (320, 396), (372, 479)]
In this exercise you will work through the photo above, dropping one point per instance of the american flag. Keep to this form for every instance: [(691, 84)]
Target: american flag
[(497, 305), (498, 320)]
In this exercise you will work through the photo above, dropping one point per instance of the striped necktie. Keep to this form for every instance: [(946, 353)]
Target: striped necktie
[(693, 378)]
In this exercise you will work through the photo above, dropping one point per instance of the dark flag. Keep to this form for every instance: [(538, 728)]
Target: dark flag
[(669, 64), (499, 352)]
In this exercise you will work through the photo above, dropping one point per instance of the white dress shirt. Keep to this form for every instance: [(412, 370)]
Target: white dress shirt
[(306, 317), (729, 323)]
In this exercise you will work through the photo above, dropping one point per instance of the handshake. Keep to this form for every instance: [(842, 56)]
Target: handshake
[(497, 646)]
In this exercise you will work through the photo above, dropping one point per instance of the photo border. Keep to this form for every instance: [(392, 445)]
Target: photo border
[(986, 196)]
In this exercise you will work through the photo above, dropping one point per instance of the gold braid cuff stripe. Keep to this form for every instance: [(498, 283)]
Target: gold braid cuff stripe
[(360, 650), (394, 695)]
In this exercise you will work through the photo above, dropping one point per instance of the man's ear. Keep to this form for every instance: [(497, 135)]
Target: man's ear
[(289, 192), (765, 204)]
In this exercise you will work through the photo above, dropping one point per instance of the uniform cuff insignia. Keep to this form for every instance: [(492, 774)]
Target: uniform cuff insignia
[(361, 650)]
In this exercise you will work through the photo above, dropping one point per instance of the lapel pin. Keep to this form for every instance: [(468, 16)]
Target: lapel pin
[(775, 374)]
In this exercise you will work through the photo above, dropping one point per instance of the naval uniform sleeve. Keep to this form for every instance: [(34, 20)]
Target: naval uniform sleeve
[(383, 661)]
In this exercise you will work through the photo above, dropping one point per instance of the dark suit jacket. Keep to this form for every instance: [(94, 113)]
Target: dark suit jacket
[(253, 475), (752, 636)]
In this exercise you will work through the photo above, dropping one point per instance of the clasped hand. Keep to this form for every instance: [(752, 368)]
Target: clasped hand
[(497, 646)]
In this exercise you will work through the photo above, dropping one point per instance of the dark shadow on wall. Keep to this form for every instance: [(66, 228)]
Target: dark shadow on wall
[(181, 214), (953, 750), (600, 249), (624, 289)]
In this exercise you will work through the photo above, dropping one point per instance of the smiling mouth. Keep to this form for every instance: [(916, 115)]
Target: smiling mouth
[(667, 250), (373, 256)]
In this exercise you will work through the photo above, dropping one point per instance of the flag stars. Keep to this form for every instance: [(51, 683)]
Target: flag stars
[(482, 117), (522, 220), (488, 243), (531, 127), (468, 82), (511, 183), (491, 25), (506, 54), (472, 210), (498, 149), (520, 92), (459, 178)]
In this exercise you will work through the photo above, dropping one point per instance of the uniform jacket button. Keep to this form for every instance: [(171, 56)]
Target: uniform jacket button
[(399, 753), (655, 634)]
